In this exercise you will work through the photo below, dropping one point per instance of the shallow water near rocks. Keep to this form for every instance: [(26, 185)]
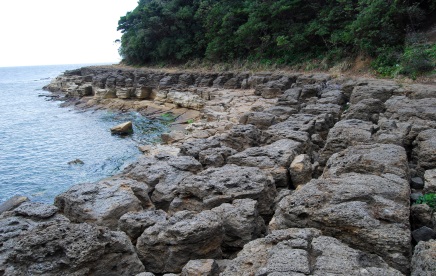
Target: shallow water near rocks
[(38, 138)]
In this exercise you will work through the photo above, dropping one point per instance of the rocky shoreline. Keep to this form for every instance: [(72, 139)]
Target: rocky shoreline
[(262, 174)]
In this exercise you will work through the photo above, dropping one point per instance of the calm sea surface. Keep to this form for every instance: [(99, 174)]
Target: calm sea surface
[(38, 138)]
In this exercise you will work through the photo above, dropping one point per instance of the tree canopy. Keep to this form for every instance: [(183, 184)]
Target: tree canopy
[(283, 31)]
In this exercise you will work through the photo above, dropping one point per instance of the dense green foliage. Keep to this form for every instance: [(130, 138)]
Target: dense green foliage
[(279, 31), (429, 199)]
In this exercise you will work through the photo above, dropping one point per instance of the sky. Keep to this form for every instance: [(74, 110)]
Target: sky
[(48, 32)]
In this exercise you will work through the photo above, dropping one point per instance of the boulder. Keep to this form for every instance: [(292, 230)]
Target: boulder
[(424, 152), (214, 186), (261, 120), (377, 159), (241, 137), (424, 258), (195, 146), (168, 246), (104, 202), (393, 132), (430, 181), (421, 215), (134, 223), (207, 267), (365, 110), (423, 233), (123, 129), (242, 223), (367, 212), (163, 173), (300, 170), (304, 252), (72, 249), (379, 91), (274, 158), (215, 157)]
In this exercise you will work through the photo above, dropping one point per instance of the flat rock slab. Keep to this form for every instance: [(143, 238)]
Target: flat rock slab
[(304, 252), (368, 212)]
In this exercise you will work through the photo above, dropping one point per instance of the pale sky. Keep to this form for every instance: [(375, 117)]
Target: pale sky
[(46, 32)]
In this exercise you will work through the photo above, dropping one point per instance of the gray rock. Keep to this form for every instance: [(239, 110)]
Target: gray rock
[(425, 150), (274, 158), (168, 246), (104, 202), (71, 249), (241, 137), (214, 186), (327, 108), (403, 109), (35, 210), (195, 146), (274, 88), (281, 112), (304, 252), (160, 175), (261, 120), (424, 259), (332, 96), (416, 183), (377, 159), (12, 203), (423, 233), (421, 215), (393, 132), (300, 170), (206, 267), (344, 134), (215, 157), (368, 212), (379, 91), (241, 221), (366, 110), (430, 181), (123, 129), (134, 223), (145, 274)]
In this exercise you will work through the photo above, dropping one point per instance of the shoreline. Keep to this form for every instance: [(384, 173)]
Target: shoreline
[(261, 160)]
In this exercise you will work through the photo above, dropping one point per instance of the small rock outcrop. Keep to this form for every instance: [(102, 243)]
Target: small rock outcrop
[(123, 129)]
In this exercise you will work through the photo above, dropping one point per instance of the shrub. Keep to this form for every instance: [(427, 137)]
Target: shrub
[(429, 199)]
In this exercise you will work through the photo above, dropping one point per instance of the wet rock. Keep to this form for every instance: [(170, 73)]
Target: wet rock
[(300, 170), (168, 246), (104, 202), (214, 186), (206, 267), (71, 249), (134, 223), (377, 159), (423, 233), (123, 129), (310, 254), (12, 203), (368, 212), (424, 258), (241, 221)]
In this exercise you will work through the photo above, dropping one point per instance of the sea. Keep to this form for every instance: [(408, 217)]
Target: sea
[(38, 138)]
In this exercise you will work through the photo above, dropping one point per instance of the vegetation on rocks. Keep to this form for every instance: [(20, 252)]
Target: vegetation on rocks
[(285, 32), (429, 199)]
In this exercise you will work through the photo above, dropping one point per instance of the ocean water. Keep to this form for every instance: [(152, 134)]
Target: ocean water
[(38, 138)]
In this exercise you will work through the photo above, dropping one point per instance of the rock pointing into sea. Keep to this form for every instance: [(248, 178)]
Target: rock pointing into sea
[(123, 129)]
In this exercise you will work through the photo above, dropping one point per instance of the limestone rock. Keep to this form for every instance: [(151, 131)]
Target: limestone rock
[(424, 259), (275, 158), (134, 223), (12, 203), (261, 120), (379, 91), (304, 252), (104, 202), (72, 249), (300, 170), (168, 246), (425, 151), (123, 129), (430, 181), (214, 186), (241, 221), (377, 159), (207, 267), (366, 110), (368, 212), (241, 137), (215, 157), (195, 146)]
